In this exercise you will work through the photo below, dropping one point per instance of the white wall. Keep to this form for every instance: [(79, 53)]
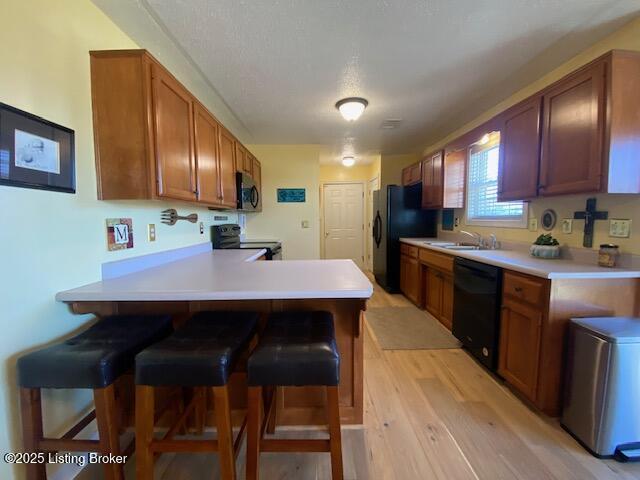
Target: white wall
[(55, 241), (288, 166)]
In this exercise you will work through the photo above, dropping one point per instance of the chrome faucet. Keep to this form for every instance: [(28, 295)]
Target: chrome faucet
[(494, 244), (476, 236)]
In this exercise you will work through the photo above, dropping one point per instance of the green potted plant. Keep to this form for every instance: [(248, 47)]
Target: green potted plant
[(545, 246)]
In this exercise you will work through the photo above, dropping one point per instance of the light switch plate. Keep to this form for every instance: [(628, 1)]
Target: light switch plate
[(567, 225), (305, 223), (619, 228), (151, 232), (201, 228), (533, 224)]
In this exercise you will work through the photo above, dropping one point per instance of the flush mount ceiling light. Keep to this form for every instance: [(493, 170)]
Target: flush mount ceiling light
[(351, 108), (348, 161)]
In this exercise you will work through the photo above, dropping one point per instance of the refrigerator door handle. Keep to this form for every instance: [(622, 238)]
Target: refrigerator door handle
[(377, 228)]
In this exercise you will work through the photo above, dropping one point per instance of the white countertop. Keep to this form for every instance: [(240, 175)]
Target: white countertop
[(230, 275), (520, 261)]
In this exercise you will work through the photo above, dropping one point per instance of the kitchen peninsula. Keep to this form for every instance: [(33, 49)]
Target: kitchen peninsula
[(233, 280)]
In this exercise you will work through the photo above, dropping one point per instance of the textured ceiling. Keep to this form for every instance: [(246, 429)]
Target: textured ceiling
[(281, 65)]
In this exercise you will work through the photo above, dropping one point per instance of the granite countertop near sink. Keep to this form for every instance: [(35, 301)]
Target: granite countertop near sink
[(519, 260)]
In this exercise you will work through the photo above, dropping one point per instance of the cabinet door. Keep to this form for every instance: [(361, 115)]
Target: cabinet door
[(257, 177), (520, 151), (412, 174), (520, 346), (427, 180), (433, 292), (455, 163), (413, 280), (432, 181), (446, 315), (226, 154), (207, 165), (404, 270), (173, 117), (573, 132), (243, 160)]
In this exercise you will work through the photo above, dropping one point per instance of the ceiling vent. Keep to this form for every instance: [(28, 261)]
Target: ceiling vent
[(390, 123)]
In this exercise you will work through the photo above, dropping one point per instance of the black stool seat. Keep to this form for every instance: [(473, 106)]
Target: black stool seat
[(96, 357), (201, 353), (296, 349)]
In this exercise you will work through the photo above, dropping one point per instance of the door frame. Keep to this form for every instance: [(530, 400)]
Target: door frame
[(364, 216), (368, 233)]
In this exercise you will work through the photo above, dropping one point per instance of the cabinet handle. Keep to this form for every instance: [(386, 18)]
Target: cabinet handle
[(518, 289)]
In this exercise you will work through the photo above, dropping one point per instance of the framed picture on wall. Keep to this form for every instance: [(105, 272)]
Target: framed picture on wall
[(35, 153)]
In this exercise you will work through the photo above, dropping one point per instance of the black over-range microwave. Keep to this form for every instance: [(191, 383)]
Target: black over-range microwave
[(248, 194)]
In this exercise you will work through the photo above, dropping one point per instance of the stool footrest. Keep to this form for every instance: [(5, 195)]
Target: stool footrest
[(68, 445), (294, 445)]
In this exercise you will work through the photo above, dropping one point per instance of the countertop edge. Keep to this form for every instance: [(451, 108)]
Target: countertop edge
[(523, 268)]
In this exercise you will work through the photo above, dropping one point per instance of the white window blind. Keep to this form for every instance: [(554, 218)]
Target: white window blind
[(482, 190)]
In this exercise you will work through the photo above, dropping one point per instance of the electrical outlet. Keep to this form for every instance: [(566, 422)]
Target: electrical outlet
[(567, 225), (619, 228), (456, 222), (201, 228), (305, 223), (151, 232), (533, 224)]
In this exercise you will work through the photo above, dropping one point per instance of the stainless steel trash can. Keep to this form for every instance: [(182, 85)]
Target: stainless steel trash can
[(602, 385)]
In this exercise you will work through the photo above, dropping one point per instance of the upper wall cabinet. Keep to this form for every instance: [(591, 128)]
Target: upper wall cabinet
[(520, 150), (153, 139), (412, 174), (432, 180), (589, 137), (573, 133)]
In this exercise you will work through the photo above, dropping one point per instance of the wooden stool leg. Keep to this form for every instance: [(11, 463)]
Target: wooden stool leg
[(254, 427), (31, 409), (271, 425), (335, 441), (226, 454), (201, 409), (144, 432), (107, 419)]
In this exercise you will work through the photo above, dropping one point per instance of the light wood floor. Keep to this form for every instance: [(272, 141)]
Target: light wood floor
[(429, 414)]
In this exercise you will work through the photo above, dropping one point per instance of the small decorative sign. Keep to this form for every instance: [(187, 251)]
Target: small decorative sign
[(291, 195), (119, 233), (35, 153)]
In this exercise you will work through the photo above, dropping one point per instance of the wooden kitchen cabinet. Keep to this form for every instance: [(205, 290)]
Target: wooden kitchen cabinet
[(410, 281), (154, 140), (432, 180), (519, 356), (207, 158), (438, 285), (573, 132), (243, 160), (227, 154), (173, 126), (520, 150), (412, 174)]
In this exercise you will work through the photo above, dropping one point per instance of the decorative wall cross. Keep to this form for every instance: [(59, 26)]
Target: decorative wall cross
[(590, 215)]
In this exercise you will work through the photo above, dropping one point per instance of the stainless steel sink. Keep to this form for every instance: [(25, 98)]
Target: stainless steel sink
[(461, 247)]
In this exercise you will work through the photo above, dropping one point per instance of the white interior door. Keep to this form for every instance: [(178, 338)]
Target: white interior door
[(343, 221), (371, 186)]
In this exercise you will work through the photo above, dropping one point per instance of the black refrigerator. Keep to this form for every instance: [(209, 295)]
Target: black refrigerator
[(397, 213)]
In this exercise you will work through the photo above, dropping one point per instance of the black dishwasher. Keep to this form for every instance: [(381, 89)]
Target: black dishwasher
[(476, 309)]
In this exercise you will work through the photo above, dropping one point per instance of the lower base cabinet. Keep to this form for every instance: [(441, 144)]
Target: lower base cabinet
[(520, 346), (438, 295), (410, 278)]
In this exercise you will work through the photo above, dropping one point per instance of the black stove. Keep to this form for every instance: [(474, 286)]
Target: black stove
[(227, 236)]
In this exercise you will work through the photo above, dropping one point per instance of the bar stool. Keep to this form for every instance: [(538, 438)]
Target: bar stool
[(95, 359), (203, 353), (295, 349)]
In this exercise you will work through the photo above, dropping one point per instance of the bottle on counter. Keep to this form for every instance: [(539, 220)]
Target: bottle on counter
[(608, 255)]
